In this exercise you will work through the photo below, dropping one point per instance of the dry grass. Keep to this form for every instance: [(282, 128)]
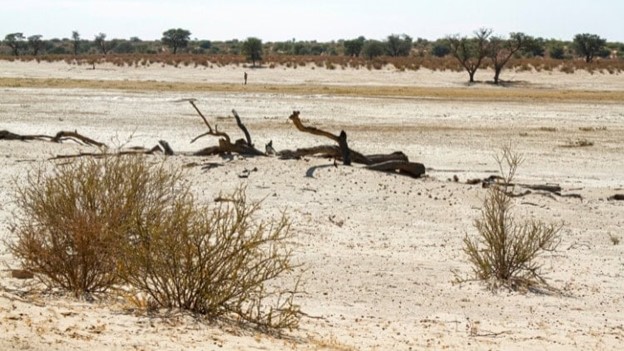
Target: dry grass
[(516, 94)]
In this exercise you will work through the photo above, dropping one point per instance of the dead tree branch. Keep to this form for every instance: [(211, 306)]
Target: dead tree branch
[(243, 128)]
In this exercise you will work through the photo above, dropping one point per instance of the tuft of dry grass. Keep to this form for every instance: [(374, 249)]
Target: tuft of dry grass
[(578, 143)]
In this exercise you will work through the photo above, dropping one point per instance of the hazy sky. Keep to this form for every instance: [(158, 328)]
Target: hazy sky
[(322, 20)]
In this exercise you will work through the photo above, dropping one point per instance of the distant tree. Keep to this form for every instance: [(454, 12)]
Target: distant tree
[(123, 47), (353, 47), (534, 47), (470, 52), (398, 45), (14, 41), (501, 50), (373, 48), (588, 45), (440, 49), (252, 49), (35, 43), (557, 52), (102, 44), (176, 38), (75, 42)]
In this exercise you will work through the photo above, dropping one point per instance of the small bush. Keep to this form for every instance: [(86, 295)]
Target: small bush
[(70, 219), (96, 223), (214, 261), (506, 250)]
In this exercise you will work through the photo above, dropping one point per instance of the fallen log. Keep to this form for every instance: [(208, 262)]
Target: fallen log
[(413, 169), (394, 162)]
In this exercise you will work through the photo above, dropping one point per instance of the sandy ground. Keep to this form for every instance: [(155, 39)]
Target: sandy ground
[(380, 249)]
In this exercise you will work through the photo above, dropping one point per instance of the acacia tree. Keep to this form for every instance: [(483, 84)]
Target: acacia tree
[(100, 41), (75, 42), (470, 52), (14, 41), (501, 50), (372, 49), (176, 38), (588, 45), (399, 45), (353, 47), (35, 43), (252, 48)]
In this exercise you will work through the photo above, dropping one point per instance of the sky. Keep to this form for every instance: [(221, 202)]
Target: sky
[(321, 20)]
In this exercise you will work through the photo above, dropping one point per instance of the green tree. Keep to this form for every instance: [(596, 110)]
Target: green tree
[(399, 45), (373, 48), (35, 43), (501, 50), (75, 42), (353, 47), (470, 52), (102, 44), (14, 41), (588, 45), (557, 52), (176, 38), (440, 49), (252, 49)]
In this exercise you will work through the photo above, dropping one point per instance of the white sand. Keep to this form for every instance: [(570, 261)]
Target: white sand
[(383, 280)]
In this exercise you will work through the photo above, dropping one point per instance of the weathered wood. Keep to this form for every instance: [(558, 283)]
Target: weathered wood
[(242, 127), (413, 169), (166, 147), (75, 136), (344, 148), (315, 131)]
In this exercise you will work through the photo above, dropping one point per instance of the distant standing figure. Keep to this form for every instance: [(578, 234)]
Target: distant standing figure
[(245, 76)]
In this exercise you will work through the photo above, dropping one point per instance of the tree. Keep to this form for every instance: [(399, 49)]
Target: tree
[(399, 45), (501, 50), (534, 47), (252, 49), (557, 52), (353, 47), (75, 42), (176, 38), (373, 48), (470, 52), (35, 43), (100, 42), (440, 49), (588, 45), (14, 41)]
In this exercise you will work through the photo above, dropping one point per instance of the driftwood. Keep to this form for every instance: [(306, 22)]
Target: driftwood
[(58, 138), (394, 162), (240, 146)]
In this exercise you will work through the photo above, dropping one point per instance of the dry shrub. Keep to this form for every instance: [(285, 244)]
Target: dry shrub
[(70, 219), (214, 261), (506, 250), (96, 223)]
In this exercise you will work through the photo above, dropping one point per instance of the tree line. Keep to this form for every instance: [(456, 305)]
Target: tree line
[(470, 51)]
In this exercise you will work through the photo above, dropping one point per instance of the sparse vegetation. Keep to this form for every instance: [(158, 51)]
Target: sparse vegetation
[(506, 250), (94, 224), (580, 142)]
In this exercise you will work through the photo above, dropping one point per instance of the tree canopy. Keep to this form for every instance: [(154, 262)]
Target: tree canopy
[(588, 45), (14, 41), (176, 38), (252, 49)]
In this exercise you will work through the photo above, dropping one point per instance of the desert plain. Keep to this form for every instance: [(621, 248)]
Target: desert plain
[(381, 251)]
